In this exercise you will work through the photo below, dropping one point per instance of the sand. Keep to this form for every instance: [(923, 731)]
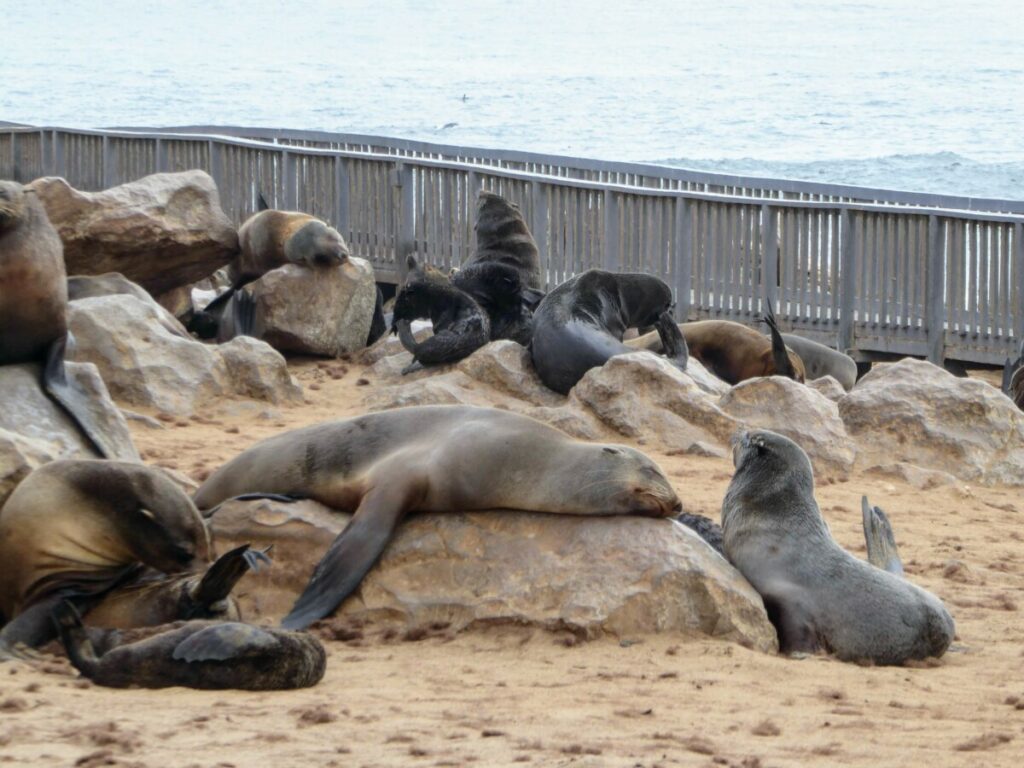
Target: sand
[(515, 696)]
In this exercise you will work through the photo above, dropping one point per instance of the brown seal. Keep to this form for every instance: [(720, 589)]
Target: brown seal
[(199, 654), (120, 540), (818, 596), (432, 459)]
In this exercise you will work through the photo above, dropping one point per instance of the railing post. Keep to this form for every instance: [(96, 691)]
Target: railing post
[(935, 303), (341, 212), (14, 158), (769, 257), (611, 231), (682, 257), (1018, 270), (288, 182), (213, 150), (539, 228), (58, 153), (847, 281), (107, 165), (407, 217), (45, 153), (161, 156)]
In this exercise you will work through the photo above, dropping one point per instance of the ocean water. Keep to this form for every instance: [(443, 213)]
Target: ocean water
[(921, 95)]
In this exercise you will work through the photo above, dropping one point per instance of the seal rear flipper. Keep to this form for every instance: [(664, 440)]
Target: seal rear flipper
[(1007, 375), (352, 554), (243, 317), (673, 343), (792, 623), (881, 542), (76, 403), (206, 322), (261, 203), (32, 628), (231, 640), (379, 324), (221, 577), (68, 625), (783, 365)]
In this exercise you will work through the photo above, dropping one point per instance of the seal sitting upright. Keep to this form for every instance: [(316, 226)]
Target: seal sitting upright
[(432, 459), (580, 324), (818, 596)]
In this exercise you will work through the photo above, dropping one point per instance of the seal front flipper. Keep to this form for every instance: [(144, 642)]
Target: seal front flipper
[(231, 640), (353, 552), (881, 542), (673, 343), (793, 624), (221, 577), (67, 623), (261, 203)]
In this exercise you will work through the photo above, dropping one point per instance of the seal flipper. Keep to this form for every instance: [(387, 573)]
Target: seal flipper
[(881, 542), (673, 343), (261, 203), (230, 640), (221, 577), (379, 324), (792, 624), (32, 628), (352, 553), (783, 365), (68, 624), (66, 394), (1007, 375), (206, 322), (243, 314), (706, 528)]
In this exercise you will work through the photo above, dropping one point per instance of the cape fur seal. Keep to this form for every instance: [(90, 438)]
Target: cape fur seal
[(460, 324), (502, 237), (818, 596), (199, 654), (820, 361), (33, 305), (119, 540), (580, 324), (432, 459)]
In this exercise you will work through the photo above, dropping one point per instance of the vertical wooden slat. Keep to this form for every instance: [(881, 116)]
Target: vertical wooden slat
[(934, 301), (611, 230), (769, 255), (683, 256), (848, 270)]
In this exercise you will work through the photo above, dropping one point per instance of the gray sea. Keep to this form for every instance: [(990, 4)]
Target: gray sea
[(915, 94)]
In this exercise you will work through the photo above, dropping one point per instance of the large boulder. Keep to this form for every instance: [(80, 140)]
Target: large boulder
[(161, 231), (591, 575), (506, 366), (915, 412), (114, 284), (800, 413), (144, 364), (314, 311)]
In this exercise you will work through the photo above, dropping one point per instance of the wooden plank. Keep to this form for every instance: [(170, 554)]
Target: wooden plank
[(682, 254), (769, 255), (935, 304), (610, 209)]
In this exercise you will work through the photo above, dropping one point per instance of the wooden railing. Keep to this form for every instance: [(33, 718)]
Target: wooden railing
[(926, 275)]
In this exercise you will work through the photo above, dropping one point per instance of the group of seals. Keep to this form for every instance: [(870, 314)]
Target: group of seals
[(580, 324), (432, 459), (818, 596), (33, 305)]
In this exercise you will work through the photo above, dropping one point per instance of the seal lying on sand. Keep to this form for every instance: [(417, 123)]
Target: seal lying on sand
[(818, 596), (432, 459), (1013, 378), (732, 351), (580, 324), (460, 325), (199, 654), (119, 540), (33, 306)]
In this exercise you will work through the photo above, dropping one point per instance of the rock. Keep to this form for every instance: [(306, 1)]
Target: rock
[(915, 412), (642, 395), (798, 412), (315, 311), (505, 366), (145, 365), (829, 387), (177, 301), (161, 231), (617, 575), (19, 455), (113, 284), (923, 479)]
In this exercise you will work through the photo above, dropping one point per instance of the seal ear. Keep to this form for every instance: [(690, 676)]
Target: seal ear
[(221, 577), (783, 365)]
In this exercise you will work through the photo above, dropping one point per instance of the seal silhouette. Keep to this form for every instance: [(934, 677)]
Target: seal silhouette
[(818, 596), (199, 654), (432, 459), (580, 324)]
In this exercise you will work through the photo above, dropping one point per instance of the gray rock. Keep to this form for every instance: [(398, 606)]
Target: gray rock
[(829, 387), (162, 231), (801, 414), (620, 575), (114, 284), (259, 371), (506, 367), (915, 412)]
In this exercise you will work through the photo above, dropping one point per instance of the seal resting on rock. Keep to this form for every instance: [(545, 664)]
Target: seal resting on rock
[(818, 596), (33, 305), (432, 459), (580, 324), (119, 540), (460, 324), (502, 237), (199, 654)]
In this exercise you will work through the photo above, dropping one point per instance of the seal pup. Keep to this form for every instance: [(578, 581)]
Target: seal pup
[(818, 596), (33, 306), (460, 325), (432, 459), (120, 540), (199, 654), (580, 324)]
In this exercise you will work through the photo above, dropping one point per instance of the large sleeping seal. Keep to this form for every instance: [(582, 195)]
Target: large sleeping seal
[(33, 305), (580, 324), (732, 351), (200, 654), (818, 596), (432, 459), (119, 540), (460, 325)]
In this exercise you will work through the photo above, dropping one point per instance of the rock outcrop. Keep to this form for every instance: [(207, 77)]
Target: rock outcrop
[(162, 231), (621, 576)]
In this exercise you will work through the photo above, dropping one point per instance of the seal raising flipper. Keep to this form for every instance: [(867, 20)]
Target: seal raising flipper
[(198, 654), (783, 365), (261, 203), (672, 340), (881, 542)]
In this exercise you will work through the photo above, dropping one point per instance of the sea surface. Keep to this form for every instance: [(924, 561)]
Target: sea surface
[(923, 95)]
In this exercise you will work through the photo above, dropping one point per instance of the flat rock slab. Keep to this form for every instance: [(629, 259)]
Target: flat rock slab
[(622, 576)]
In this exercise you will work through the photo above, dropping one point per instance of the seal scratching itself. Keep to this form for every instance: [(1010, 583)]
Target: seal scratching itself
[(200, 654), (33, 306), (119, 540), (432, 459), (580, 324), (818, 596)]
